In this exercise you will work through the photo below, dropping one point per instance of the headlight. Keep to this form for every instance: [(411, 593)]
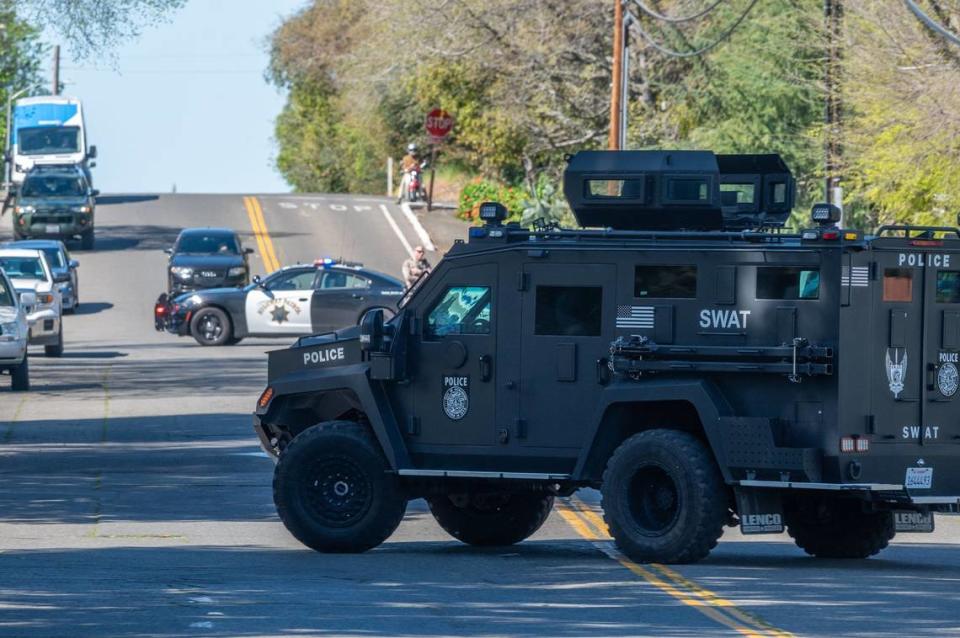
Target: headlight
[(237, 271), (10, 328), (80, 209), (182, 272), (26, 209), (44, 298)]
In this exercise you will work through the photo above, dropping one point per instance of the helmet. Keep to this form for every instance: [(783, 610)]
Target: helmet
[(411, 148)]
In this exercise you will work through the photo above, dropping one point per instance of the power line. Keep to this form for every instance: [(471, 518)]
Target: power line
[(690, 54), (931, 23), (675, 20)]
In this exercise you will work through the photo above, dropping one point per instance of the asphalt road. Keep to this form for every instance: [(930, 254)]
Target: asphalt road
[(135, 502)]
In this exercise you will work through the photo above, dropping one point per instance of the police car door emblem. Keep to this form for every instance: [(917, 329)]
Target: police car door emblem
[(456, 396), (948, 379), (896, 372), (279, 313)]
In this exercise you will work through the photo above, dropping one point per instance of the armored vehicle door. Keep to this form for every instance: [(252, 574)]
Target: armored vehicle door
[(567, 325), (454, 386), (916, 339)]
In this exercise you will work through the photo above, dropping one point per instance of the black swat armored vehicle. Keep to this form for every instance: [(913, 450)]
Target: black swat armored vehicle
[(683, 354)]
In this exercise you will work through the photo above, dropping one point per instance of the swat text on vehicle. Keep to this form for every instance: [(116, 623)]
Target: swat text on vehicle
[(690, 359), (294, 301)]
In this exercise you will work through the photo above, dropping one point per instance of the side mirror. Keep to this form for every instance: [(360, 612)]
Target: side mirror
[(371, 331), (248, 251), (92, 153), (94, 193), (28, 299), (169, 251), (74, 264), (92, 165), (61, 277)]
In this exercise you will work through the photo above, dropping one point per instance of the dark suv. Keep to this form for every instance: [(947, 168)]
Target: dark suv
[(207, 258), (55, 202)]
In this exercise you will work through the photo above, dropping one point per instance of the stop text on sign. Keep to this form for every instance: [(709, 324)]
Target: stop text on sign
[(439, 123)]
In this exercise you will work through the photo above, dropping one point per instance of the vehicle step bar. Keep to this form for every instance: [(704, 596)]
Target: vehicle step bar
[(517, 476), (840, 487)]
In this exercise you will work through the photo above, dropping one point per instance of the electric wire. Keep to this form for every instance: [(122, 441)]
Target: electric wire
[(675, 20), (931, 23), (696, 52)]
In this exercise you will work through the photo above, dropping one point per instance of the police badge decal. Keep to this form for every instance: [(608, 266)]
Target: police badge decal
[(456, 396), (896, 371)]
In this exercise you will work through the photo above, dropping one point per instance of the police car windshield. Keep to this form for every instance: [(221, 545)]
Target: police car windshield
[(48, 140), (6, 296), (52, 186), (23, 267), (208, 244)]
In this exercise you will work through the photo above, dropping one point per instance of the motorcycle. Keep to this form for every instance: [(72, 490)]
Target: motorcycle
[(413, 189)]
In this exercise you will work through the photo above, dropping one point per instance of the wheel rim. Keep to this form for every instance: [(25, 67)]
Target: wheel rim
[(336, 491), (211, 328), (655, 501)]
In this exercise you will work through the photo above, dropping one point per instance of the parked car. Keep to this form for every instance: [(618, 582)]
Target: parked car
[(14, 331), (29, 272), (207, 258), (55, 202), (64, 268)]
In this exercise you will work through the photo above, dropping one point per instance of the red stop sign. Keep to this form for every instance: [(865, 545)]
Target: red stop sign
[(438, 124)]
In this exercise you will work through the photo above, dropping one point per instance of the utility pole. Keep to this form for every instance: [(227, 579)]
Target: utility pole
[(833, 147), (616, 85), (56, 70)]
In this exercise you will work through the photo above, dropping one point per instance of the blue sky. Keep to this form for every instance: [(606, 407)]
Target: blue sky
[(186, 103)]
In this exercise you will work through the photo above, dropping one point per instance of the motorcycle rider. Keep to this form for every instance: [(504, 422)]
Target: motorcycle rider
[(409, 163)]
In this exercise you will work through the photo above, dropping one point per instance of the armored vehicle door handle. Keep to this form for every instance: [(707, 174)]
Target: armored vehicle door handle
[(603, 371), (486, 367)]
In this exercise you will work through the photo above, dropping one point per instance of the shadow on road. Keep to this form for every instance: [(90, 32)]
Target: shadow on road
[(93, 307), (108, 200), (136, 237)]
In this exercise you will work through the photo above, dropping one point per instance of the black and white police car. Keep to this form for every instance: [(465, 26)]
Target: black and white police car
[(294, 301)]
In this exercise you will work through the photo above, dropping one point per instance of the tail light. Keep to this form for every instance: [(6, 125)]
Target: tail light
[(265, 397), (854, 444)]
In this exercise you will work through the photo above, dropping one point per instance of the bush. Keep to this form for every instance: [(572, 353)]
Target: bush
[(481, 190)]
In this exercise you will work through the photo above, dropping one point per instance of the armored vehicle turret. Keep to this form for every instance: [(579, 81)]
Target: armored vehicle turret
[(683, 353)]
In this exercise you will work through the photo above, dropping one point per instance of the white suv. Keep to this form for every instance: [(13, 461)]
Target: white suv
[(13, 334), (29, 271)]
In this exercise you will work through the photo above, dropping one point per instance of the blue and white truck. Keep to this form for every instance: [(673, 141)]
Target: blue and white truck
[(48, 130)]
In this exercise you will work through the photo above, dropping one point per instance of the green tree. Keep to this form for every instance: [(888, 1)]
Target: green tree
[(20, 58)]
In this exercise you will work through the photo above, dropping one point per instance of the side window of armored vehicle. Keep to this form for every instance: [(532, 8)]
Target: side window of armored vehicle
[(788, 282), (688, 190), (948, 286), (898, 285), (734, 194), (462, 310), (568, 311), (665, 282), (615, 188), (778, 194)]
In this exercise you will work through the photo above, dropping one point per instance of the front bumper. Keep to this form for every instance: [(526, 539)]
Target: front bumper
[(62, 225), (264, 438), (178, 286), (12, 351), (44, 327)]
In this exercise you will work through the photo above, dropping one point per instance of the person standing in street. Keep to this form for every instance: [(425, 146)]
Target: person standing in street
[(415, 266)]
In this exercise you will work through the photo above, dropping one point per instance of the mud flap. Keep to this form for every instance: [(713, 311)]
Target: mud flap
[(760, 511), (910, 522)]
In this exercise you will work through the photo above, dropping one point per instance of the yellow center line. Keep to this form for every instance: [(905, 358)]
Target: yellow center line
[(592, 527), (260, 233)]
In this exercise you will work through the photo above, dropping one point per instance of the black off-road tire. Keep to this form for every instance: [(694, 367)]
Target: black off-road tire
[(20, 376), (838, 528), (88, 240), (56, 350), (211, 327), (492, 519), (663, 497), (333, 489)]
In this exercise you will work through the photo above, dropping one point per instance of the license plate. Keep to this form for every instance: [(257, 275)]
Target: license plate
[(918, 522), (919, 478), (208, 274), (52, 229)]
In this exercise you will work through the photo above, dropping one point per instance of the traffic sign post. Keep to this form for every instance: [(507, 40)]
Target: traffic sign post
[(438, 124)]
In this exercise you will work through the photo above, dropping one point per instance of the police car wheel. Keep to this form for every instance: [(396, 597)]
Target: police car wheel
[(20, 376), (211, 327), (664, 499), (491, 519), (333, 490), (837, 528)]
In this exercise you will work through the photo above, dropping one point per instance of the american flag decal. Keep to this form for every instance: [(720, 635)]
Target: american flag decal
[(858, 276), (635, 317)]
